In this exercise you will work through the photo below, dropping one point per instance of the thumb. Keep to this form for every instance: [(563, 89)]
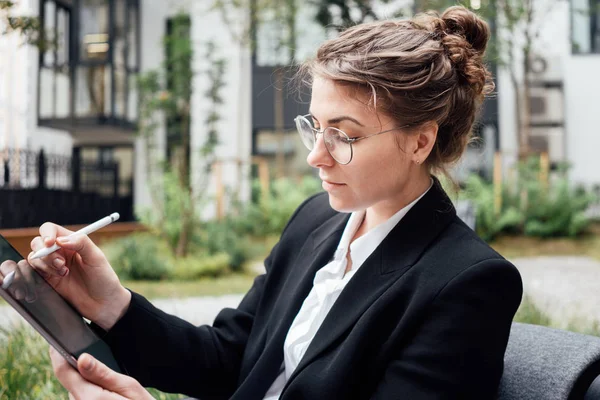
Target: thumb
[(99, 374)]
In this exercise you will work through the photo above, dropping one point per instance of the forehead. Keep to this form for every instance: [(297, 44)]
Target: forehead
[(330, 99)]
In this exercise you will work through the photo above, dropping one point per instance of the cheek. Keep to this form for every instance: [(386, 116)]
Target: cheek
[(382, 173)]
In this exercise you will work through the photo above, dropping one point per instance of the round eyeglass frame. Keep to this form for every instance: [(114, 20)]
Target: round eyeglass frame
[(349, 140)]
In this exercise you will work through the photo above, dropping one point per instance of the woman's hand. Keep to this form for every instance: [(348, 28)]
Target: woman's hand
[(80, 273), (95, 381)]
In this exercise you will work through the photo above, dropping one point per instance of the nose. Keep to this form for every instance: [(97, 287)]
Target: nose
[(319, 156)]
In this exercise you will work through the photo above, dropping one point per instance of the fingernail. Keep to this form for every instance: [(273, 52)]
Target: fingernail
[(58, 262), (63, 271), (88, 363), (19, 294), (63, 239)]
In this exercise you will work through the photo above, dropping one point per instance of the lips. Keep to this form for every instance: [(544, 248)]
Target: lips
[(329, 181)]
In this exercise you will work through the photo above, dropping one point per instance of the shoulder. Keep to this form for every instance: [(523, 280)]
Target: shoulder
[(469, 258)]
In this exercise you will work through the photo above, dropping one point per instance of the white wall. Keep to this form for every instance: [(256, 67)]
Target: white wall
[(235, 125), (582, 87), (153, 20)]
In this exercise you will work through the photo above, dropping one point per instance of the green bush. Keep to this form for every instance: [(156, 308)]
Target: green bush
[(195, 267), (489, 224), (220, 237), (558, 211), (139, 257), (530, 206), (269, 213)]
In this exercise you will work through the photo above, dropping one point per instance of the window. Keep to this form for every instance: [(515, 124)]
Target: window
[(585, 26), (55, 61), (88, 75)]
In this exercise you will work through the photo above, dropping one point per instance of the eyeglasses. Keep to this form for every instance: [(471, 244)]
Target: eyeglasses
[(337, 143)]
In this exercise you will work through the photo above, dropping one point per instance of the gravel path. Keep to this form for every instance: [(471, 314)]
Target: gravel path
[(565, 288)]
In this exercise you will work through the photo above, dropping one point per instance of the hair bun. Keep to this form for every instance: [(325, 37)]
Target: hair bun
[(460, 21)]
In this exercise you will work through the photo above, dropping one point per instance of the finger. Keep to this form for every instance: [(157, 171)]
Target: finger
[(84, 246), (53, 264), (75, 384), (6, 267), (64, 372), (54, 259), (99, 374), (29, 283), (17, 286), (50, 231)]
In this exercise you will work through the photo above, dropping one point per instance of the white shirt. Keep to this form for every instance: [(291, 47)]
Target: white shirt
[(328, 284)]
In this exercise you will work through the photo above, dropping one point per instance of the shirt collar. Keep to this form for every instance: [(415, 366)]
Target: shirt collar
[(362, 247)]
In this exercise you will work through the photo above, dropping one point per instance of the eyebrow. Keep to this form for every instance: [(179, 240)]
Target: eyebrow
[(339, 119)]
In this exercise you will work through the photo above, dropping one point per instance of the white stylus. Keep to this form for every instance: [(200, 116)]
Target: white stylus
[(101, 223), (8, 279)]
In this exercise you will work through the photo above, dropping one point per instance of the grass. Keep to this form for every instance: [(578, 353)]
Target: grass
[(26, 372), (524, 246), (228, 284), (529, 313)]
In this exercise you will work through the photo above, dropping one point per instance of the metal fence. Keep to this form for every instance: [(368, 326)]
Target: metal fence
[(38, 187)]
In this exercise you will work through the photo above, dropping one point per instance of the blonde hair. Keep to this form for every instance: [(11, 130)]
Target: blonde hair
[(429, 68)]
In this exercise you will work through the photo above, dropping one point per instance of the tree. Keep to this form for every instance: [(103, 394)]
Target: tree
[(521, 22), (344, 13), (167, 91), (27, 27)]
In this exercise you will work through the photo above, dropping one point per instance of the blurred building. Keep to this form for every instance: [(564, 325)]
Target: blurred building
[(79, 100), (565, 117), (74, 99)]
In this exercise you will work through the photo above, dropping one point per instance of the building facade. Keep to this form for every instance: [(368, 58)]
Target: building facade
[(79, 98), (563, 70)]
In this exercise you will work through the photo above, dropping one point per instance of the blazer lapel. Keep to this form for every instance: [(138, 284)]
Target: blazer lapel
[(399, 251), (315, 254)]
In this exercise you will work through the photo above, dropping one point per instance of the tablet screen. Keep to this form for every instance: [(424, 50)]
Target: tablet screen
[(42, 303)]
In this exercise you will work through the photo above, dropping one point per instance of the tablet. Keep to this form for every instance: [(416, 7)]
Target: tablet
[(47, 312)]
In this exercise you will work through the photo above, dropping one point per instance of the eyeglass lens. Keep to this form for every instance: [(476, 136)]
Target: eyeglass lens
[(335, 140)]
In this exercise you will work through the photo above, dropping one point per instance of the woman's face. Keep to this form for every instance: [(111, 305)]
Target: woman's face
[(382, 172)]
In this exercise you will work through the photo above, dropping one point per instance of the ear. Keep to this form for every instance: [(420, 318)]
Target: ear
[(424, 141)]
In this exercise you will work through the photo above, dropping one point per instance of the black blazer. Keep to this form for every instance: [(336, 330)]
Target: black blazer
[(427, 316)]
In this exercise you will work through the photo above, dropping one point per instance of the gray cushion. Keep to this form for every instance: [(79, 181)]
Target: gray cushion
[(549, 364)]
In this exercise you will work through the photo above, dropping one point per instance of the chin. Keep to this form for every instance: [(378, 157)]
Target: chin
[(341, 204)]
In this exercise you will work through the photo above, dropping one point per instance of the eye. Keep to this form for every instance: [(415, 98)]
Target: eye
[(340, 137)]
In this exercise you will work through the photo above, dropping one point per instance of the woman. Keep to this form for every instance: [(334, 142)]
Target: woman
[(376, 289)]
